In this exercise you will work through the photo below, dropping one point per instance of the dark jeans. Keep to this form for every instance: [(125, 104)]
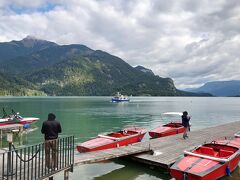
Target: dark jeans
[(186, 129), (51, 153)]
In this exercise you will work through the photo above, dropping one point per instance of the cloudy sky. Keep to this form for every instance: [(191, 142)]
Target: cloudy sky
[(190, 41)]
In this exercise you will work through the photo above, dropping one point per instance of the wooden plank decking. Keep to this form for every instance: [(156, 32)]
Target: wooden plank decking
[(167, 150), (97, 156), (11, 126), (8, 128)]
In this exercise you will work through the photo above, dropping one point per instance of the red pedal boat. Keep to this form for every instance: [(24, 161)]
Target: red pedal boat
[(172, 128), (169, 129), (22, 120), (15, 118), (235, 142), (207, 162), (112, 140)]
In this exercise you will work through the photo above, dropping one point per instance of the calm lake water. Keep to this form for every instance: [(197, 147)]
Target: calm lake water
[(85, 117)]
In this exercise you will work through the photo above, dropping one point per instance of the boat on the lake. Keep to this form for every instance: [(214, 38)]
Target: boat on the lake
[(168, 129), (120, 98), (123, 137), (15, 118), (208, 161)]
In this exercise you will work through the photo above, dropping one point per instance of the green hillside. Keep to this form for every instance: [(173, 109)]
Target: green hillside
[(99, 74), (13, 86), (43, 58), (43, 67)]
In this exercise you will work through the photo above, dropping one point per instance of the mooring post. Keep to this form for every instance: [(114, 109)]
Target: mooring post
[(20, 134), (66, 174), (9, 155), (50, 178), (1, 134), (1, 137)]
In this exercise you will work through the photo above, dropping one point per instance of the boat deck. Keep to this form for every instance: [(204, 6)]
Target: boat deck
[(161, 152)]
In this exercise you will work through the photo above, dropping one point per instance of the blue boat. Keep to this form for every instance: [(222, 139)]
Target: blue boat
[(120, 98)]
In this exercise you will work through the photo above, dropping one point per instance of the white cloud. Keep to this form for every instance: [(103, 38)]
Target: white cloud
[(25, 3), (190, 41)]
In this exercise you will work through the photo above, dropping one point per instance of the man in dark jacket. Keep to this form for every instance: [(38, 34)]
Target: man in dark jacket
[(50, 129), (185, 123)]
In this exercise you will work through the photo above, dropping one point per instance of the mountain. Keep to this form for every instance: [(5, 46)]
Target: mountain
[(13, 49), (220, 88), (75, 69), (15, 86), (43, 58), (99, 73)]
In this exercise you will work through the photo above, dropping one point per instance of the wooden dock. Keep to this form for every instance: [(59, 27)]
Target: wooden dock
[(167, 150), (161, 152), (10, 128), (98, 156)]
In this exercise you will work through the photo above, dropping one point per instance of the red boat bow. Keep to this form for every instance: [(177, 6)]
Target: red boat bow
[(168, 129), (112, 140), (209, 161)]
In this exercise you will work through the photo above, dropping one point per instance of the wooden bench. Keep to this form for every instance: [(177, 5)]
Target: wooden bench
[(225, 153)]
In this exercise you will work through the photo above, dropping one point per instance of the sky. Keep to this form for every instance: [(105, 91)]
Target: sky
[(190, 41)]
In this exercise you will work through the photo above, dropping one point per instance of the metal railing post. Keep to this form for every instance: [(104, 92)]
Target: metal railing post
[(66, 174), (9, 155), (30, 162)]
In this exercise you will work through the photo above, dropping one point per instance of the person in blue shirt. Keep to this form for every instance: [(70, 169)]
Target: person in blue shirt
[(185, 123)]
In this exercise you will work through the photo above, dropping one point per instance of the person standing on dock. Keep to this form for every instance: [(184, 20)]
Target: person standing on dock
[(51, 128), (185, 123)]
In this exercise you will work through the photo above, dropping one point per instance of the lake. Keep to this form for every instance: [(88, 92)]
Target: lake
[(85, 117)]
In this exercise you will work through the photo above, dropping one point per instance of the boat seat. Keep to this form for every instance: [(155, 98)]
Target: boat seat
[(208, 151), (225, 153), (117, 135)]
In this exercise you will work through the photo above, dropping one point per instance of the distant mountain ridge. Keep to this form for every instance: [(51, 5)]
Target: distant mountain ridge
[(75, 69), (13, 49), (219, 88), (43, 58)]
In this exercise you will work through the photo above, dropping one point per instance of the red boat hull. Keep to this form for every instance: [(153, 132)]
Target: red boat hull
[(200, 168), (219, 172), (21, 121), (110, 145), (105, 142), (233, 142), (28, 122), (167, 130)]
